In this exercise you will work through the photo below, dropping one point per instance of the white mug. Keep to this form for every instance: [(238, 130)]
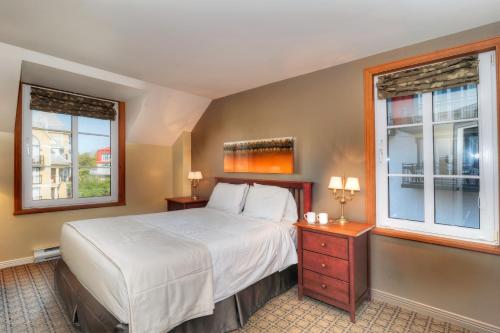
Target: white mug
[(310, 217), (322, 218)]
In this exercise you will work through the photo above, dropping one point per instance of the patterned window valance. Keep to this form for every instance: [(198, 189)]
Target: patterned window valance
[(440, 75), (75, 105)]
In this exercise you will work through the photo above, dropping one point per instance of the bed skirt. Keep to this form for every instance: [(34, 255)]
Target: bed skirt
[(86, 313)]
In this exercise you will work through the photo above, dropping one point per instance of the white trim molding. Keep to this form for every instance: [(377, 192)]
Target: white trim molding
[(454, 318), (16, 262)]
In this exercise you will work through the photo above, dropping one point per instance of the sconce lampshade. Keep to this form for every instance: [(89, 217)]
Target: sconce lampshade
[(195, 175), (352, 184), (335, 183)]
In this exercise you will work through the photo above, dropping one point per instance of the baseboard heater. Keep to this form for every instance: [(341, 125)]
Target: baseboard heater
[(46, 254)]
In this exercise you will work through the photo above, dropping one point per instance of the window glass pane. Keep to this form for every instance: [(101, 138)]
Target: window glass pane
[(50, 121), (36, 193), (456, 148), (94, 126), (456, 202), (455, 103), (404, 110), (94, 182), (406, 198), (51, 156), (405, 147), (94, 158)]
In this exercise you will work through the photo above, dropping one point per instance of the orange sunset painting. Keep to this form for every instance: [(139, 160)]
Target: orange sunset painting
[(260, 156)]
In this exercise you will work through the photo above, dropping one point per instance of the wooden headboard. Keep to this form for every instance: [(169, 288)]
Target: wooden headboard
[(301, 191)]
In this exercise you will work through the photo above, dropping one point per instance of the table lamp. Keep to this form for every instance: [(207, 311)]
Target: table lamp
[(339, 186), (195, 177)]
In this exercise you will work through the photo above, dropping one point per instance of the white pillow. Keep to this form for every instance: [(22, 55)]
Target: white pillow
[(228, 197), (266, 202), (290, 214)]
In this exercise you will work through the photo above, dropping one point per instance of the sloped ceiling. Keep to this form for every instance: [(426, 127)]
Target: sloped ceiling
[(155, 114), (219, 47)]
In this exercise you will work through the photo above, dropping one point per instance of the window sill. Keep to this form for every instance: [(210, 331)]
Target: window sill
[(458, 244), (64, 208)]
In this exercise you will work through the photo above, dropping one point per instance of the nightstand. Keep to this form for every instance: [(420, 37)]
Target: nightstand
[(334, 263), (185, 203)]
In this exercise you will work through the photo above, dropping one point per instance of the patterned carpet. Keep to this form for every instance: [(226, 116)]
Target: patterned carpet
[(28, 303), (287, 314)]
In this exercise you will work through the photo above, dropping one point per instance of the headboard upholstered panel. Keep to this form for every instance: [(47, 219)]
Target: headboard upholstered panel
[(302, 191)]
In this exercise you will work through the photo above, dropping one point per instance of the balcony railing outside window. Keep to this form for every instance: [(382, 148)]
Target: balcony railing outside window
[(449, 184), (37, 160), (412, 169), (37, 179)]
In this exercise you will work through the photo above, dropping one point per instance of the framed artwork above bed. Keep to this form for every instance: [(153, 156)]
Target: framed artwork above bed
[(274, 155)]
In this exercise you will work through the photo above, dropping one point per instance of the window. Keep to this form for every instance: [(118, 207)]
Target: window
[(68, 160), (437, 160)]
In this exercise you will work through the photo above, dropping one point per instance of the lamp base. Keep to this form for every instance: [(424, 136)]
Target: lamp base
[(341, 220)]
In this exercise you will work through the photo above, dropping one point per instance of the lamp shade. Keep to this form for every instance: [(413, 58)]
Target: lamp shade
[(352, 184), (335, 183), (195, 175)]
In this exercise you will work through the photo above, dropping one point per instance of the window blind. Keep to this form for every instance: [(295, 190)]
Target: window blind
[(75, 105), (440, 75)]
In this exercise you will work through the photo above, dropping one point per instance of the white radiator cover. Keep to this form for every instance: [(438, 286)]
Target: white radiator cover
[(46, 254)]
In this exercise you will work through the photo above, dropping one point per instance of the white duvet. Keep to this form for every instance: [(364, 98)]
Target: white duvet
[(242, 251)]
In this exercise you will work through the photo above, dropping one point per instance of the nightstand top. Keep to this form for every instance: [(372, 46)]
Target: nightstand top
[(352, 229), (186, 200)]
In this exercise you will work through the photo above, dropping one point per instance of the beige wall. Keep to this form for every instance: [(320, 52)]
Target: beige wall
[(148, 182), (181, 152), (324, 111)]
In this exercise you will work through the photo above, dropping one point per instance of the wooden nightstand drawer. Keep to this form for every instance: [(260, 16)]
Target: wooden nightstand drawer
[(185, 203), (333, 263), (326, 286), (179, 206), (171, 206), (326, 244), (326, 265)]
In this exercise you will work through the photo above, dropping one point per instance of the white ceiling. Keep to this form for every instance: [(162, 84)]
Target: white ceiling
[(154, 114), (46, 76), (219, 47)]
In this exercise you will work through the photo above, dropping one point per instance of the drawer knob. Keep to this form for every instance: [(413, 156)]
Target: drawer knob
[(323, 265), (323, 286), (323, 244)]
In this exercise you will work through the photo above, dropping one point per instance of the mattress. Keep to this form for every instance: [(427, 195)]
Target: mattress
[(243, 250)]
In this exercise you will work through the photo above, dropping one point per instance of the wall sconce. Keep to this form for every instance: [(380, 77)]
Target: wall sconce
[(339, 186), (195, 177)]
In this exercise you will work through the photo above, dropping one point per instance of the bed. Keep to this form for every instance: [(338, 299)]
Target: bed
[(246, 262)]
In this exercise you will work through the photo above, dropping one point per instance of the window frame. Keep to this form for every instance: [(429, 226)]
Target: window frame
[(23, 203), (488, 230), (492, 44)]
